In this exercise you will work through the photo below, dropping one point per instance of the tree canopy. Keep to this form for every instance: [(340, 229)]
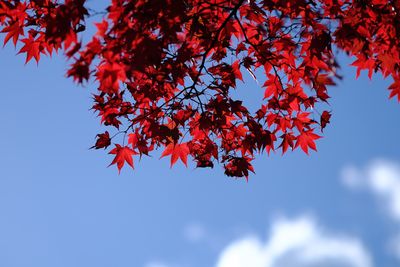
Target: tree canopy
[(166, 71)]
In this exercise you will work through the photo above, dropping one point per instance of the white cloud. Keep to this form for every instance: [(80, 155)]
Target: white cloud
[(380, 177), (295, 243), (351, 177)]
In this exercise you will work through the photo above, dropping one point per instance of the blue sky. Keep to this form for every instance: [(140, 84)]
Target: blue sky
[(61, 206)]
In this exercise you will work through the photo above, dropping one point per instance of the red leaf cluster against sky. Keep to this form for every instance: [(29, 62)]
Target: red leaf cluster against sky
[(166, 70)]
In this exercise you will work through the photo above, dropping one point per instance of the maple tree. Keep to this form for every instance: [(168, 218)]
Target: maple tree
[(166, 70)]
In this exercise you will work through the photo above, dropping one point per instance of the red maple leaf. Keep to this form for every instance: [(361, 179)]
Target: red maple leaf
[(103, 141), (395, 90), (363, 63), (13, 31), (325, 119), (176, 151), (122, 154), (306, 140), (31, 48)]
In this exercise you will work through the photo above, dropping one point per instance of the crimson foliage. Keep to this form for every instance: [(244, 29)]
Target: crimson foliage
[(166, 69)]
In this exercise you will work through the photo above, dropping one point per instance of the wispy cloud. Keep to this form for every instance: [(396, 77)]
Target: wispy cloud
[(300, 242), (194, 232), (380, 177)]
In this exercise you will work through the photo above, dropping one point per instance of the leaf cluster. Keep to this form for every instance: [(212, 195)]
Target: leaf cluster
[(166, 70)]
